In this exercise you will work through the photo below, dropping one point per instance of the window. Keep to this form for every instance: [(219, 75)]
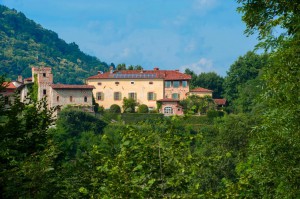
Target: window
[(117, 83), (85, 99), (99, 83), (100, 96), (150, 82), (117, 95), (57, 98), (176, 84), (132, 96), (167, 84), (175, 96), (184, 84), (168, 110), (131, 82), (44, 74), (151, 96), (71, 98), (44, 91)]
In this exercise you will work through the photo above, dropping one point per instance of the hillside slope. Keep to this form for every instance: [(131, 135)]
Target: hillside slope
[(24, 43)]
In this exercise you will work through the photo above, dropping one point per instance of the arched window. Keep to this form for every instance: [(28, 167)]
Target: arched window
[(71, 98), (57, 98), (168, 110), (85, 98)]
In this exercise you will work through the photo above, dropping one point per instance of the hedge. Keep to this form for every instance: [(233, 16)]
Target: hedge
[(133, 118)]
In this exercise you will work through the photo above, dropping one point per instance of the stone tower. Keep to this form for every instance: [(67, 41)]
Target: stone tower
[(44, 78)]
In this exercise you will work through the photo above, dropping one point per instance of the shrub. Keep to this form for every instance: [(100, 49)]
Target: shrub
[(133, 118), (153, 111), (212, 114), (143, 108), (100, 109), (129, 105), (115, 108)]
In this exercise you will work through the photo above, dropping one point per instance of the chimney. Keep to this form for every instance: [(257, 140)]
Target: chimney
[(142, 70), (20, 79), (156, 68), (99, 72), (177, 70), (111, 69)]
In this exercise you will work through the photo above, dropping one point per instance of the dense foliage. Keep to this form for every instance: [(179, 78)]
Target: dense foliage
[(251, 154), (115, 108), (143, 108), (243, 83), (23, 44), (210, 80)]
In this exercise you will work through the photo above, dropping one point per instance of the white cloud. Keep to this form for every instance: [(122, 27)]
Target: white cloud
[(204, 5), (203, 65)]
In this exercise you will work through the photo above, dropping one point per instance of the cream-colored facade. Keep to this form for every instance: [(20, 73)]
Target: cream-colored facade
[(58, 95), (145, 91), (145, 86), (201, 92), (75, 97)]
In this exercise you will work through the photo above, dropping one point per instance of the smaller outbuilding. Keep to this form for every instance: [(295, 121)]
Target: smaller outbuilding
[(170, 107)]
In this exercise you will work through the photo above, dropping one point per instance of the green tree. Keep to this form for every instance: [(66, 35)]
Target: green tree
[(26, 151), (153, 161), (212, 81), (195, 104), (115, 108), (129, 105), (138, 67), (121, 67), (143, 108), (246, 68), (194, 77), (272, 169), (131, 67), (75, 135)]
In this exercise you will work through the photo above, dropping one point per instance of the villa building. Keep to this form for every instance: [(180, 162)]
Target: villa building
[(168, 87), (145, 86), (61, 94), (201, 92), (57, 95)]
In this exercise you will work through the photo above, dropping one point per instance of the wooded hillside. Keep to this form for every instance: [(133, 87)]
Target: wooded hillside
[(24, 43)]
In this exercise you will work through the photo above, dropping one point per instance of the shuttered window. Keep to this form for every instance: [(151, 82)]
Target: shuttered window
[(117, 96), (100, 96), (151, 96)]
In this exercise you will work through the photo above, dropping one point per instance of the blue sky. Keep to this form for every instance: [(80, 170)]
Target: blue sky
[(202, 35)]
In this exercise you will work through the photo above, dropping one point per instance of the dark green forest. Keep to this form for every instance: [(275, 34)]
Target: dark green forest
[(251, 151), (24, 43)]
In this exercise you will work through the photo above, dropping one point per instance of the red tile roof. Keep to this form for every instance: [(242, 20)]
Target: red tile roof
[(201, 90), (143, 74), (168, 100), (220, 101), (28, 79), (9, 85), (69, 86)]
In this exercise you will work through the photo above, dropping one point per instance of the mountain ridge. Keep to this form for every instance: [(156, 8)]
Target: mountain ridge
[(24, 44)]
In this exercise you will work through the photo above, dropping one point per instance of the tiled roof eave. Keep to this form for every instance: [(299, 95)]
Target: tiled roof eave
[(72, 87)]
